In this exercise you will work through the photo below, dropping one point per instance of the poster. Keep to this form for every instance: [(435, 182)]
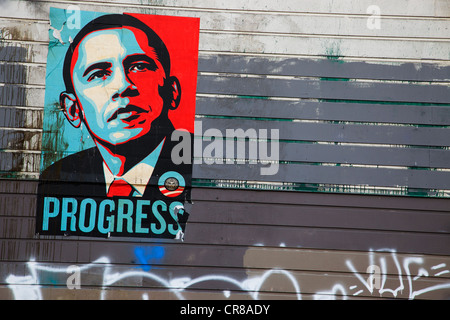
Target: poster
[(118, 125)]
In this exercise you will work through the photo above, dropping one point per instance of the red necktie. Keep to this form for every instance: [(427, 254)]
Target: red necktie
[(120, 188)]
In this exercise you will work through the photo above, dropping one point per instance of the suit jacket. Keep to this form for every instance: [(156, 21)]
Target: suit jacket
[(81, 175)]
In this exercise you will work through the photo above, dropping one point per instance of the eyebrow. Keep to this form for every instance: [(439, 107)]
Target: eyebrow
[(99, 65)]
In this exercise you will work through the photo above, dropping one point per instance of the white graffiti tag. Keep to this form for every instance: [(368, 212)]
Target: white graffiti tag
[(405, 279), (29, 287), (387, 275)]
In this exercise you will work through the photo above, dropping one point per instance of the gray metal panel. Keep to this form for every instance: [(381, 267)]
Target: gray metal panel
[(317, 215), (10, 161), (11, 117), (358, 133), (323, 68), (20, 140), (308, 237), (388, 156), (13, 73), (314, 199), (301, 173), (291, 236), (369, 155), (323, 89), (12, 95), (333, 111), (13, 53)]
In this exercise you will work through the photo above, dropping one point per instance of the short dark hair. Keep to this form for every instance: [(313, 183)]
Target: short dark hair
[(111, 21)]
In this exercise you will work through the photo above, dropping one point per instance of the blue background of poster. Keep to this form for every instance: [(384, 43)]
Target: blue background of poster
[(60, 138)]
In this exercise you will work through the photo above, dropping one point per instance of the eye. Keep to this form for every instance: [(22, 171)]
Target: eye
[(100, 74), (141, 66)]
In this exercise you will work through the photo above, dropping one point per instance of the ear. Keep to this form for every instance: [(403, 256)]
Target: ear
[(175, 87), (71, 109)]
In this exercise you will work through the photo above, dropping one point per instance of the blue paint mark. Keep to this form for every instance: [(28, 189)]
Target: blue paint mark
[(146, 256)]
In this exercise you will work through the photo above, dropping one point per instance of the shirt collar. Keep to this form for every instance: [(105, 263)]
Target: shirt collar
[(138, 176)]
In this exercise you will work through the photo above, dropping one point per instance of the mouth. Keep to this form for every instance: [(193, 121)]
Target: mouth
[(127, 114)]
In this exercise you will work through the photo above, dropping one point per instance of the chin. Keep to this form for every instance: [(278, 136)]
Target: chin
[(121, 137)]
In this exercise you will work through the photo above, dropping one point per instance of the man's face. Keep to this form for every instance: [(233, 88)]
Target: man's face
[(116, 76)]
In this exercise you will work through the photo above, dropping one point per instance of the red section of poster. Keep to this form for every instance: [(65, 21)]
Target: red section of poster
[(181, 37)]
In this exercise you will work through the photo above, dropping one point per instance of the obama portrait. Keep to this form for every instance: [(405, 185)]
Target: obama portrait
[(119, 87)]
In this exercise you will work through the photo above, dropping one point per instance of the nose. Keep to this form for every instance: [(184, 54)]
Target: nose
[(130, 91), (125, 88)]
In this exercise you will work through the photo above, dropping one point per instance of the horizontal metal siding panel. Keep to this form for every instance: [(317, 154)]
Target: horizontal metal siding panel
[(317, 238), (260, 22), (13, 163), (268, 21), (22, 73), (12, 95), (341, 175), (13, 117), (235, 42), (356, 133), (335, 47), (249, 213), (327, 153), (303, 109), (323, 89), (328, 68), (418, 8), (22, 96), (23, 140), (306, 198), (287, 236)]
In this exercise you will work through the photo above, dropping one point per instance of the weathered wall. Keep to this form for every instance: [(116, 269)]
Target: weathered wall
[(363, 119)]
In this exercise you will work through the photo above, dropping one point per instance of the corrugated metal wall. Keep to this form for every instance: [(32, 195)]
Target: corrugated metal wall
[(361, 105)]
